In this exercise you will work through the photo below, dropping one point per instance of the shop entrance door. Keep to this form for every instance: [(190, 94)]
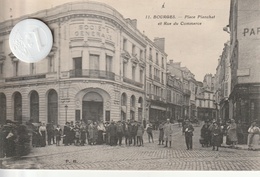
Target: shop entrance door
[(92, 107)]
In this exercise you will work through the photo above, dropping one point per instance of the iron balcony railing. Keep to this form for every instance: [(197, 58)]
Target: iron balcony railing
[(92, 73)]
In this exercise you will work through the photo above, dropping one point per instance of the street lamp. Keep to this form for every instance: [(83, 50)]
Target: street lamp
[(66, 109)]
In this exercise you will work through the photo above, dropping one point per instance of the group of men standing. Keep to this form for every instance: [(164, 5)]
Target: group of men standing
[(110, 133)]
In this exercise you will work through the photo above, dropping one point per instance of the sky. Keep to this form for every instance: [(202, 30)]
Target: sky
[(197, 47)]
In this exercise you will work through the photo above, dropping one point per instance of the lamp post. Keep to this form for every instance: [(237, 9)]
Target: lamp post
[(66, 109)]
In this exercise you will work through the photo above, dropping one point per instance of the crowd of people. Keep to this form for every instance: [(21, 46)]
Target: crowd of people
[(213, 133), (91, 133), (16, 137)]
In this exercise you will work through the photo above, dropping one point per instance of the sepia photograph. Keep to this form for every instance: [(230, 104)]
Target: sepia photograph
[(148, 85)]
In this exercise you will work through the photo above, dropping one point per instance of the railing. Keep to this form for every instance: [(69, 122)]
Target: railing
[(156, 78), (130, 81), (92, 73)]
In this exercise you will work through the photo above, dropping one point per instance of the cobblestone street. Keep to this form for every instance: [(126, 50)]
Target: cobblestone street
[(150, 157)]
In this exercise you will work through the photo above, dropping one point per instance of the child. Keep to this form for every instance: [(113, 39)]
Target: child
[(58, 133), (140, 132)]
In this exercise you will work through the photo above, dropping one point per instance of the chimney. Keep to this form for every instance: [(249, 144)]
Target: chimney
[(160, 42), (132, 22)]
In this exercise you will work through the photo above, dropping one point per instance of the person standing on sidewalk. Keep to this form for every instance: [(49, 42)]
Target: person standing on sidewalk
[(50, 133), (161, 133), (253, 136), (140, 132), (127, 133), (232, 133), (168, 130), (149, 130), (188, 128), (113, 133), (134, 131), (119, 132), (58, 133), (42, 132), (216, 136), (66, 134)]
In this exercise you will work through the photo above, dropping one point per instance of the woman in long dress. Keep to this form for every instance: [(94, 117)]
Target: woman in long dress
[(42, 132), (253, 136), (232, 132)]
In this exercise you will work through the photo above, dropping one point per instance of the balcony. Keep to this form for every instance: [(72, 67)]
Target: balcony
[(156, 78), (92, 73), (155, 97), (132, 82), (186, 92)]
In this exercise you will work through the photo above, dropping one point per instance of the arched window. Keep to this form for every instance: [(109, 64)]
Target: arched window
[(132, 104), (18, 107), (34, 106), (2, 108), (52, 107), (123, 106)]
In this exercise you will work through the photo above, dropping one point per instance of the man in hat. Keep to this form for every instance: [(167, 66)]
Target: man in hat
[(188, 129), (66, 133), (134, 131), (113, 133), (119, 132), (168, 130)]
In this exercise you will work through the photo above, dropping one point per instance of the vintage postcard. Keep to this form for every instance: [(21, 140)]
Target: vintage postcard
[(167, 85)]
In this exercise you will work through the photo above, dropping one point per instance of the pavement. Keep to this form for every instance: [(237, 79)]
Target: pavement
[(150, 157)]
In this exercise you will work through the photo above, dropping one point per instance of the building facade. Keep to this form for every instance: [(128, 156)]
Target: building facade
[(205, 103), (174, 98), (156, 59), (96, 69), (244, 100), (223, 83)]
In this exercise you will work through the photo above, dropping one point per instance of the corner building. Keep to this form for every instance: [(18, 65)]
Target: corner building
[(95, 70), (244, 100)]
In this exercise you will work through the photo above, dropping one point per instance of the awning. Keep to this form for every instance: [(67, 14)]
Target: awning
[(158, 107)]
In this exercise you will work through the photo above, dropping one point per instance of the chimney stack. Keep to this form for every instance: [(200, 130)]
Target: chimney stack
[(160, 42)]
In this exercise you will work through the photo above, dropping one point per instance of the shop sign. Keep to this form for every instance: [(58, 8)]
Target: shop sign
[(92, 30)]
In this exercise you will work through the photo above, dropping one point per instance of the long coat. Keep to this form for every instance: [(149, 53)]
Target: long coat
[(216, 136), (140, 130), (161, 134), (168, 130), (112, 130), (232, 132), (91, 131)]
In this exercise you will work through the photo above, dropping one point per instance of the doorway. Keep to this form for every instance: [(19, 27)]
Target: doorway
[(92, 107)]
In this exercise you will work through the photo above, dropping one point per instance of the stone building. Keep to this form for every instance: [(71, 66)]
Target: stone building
[(244, 100), (156, 59), (95, 70), (223, 82)]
